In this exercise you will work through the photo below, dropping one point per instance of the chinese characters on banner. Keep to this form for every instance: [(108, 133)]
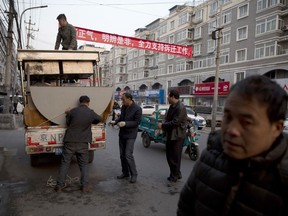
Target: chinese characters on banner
[(118, 40)]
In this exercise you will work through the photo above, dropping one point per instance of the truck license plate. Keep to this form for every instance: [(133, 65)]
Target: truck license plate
[(58, 151)]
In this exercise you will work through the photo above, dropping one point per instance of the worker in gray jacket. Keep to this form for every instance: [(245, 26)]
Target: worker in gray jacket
[(76, 140)]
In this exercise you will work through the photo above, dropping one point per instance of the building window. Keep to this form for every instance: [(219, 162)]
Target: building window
[(182, 35), (146, 73), (242, 33), (202, 63), (222, 2), (211, 62), (172, 25), (169, 83), (266, 25), (213, 8), (241, 55), (212, 26), (238, 76), (226, 17), (135, 76), (210, 46), (135, 65), (161, 69), (171, 39), (197, 32), (198, 15), (170, 56), (224, 58), (226, 36), (180, 66), (163, 29), (189, 65), (243, 11), (265, 50), (263, 4), (197, 49), (170, 69), (183, 18), (135, 54)]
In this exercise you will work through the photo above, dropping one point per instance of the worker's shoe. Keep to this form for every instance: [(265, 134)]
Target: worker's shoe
[(171, 183), (122, 176), (85, 189), (59, 188), (133, 179)]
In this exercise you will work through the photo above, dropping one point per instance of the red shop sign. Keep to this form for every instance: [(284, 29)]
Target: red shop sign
[(207, 89)]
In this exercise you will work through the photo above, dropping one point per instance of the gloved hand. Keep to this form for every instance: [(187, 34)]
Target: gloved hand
[(121, 124), (112, 123)]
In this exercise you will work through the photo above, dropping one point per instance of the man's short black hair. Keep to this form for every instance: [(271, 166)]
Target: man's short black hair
[(61, 16), (128, 95), (266, 92), (84, 99), (174, 93)]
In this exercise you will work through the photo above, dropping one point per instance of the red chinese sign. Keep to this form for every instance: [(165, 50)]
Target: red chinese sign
[(118, 40), (207, 89)]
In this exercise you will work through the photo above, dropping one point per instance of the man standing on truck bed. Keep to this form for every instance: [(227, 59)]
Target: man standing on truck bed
[(66, 34), (76, 140)]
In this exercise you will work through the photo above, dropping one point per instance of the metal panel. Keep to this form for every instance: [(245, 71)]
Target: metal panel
[(23, 55), (52, 101), (43, 68), (73, 67)]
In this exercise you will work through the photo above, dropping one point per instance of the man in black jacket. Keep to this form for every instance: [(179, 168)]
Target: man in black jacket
[(76, 140), (174, 126), (244, 170), (128, 122)]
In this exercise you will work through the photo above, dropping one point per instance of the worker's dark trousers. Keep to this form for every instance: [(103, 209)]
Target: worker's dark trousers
[(82, 154), (126, 147), (173, 155)]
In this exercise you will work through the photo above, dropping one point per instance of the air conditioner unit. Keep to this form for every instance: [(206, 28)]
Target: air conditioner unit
[(284, 28)]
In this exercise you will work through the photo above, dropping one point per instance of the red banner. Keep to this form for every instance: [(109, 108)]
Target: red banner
[(207, 89), (118, 40)]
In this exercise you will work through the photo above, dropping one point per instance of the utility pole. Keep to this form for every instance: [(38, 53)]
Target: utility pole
[(29, 33), (216, 81), (9, 57)]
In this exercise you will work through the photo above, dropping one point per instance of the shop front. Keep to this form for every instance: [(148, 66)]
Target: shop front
[(204, 94), (186, 94)]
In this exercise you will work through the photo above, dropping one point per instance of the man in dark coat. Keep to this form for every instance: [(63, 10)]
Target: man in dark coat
[(244, 170), (66, 35), (174, 127), (76, 140), (128, 122)]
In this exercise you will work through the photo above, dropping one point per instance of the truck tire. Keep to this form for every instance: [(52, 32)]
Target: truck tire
[(146, 140), (91, 156), (34, 160), (193, 151)]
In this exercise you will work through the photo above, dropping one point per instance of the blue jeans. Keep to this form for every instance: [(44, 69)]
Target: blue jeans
[(126, 147), (82, 154)]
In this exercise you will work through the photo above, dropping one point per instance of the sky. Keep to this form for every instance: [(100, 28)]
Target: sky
[(120, 17)]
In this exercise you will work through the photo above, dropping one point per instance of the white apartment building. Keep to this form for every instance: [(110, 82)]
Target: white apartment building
[(254, 40)]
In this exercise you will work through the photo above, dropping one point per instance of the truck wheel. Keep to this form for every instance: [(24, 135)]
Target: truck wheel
[(193, 151), (91, 156), (34, 160), (146, 140)]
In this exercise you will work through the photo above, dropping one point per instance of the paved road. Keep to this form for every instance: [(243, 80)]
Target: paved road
[(23, 189)]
